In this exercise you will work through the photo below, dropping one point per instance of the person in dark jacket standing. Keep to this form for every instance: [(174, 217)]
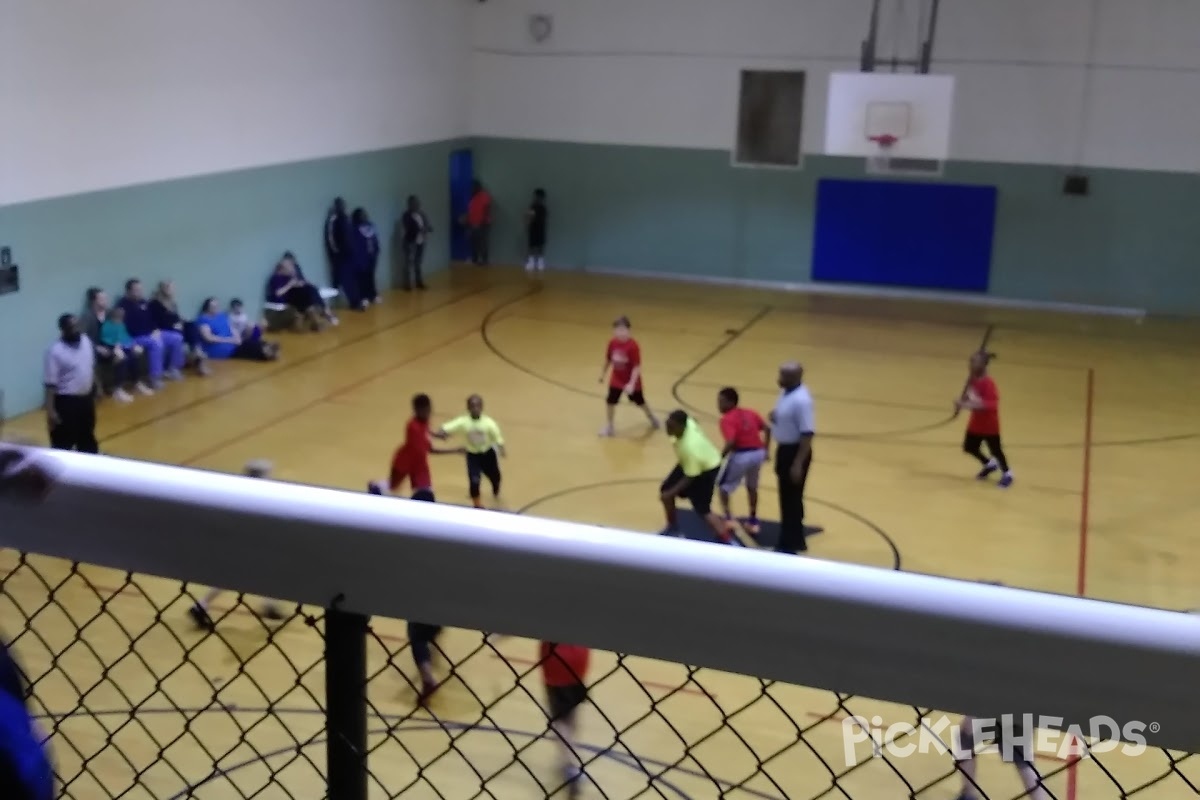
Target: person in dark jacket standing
[(364, 256), (537, 218), (414, 230), (337, 248)]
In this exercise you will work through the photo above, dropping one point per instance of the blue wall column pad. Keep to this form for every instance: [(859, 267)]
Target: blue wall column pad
[(894, 233)]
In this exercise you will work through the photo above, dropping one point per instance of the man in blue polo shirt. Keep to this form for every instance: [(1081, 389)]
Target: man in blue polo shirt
[(164, 349)]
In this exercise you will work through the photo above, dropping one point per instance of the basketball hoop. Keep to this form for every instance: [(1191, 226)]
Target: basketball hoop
[(885, 141)]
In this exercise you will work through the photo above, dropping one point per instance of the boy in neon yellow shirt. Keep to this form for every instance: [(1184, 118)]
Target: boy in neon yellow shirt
[(694, 477), (484, 443)]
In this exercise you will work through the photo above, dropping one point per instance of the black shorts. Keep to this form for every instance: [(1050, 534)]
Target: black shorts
[(537, 240), (614, 397), (699, 492), (972, 441), (563, 700)]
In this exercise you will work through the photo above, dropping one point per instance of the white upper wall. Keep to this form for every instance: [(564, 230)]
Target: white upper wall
[(98, 95), (665, 72)]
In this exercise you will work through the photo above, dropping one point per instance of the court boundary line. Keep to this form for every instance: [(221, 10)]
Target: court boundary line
[(290, 365), (417, 724), (874, 527), (329, 396), (1085, 493), (814, 289)]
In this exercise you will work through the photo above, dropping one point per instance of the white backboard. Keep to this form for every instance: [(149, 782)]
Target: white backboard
[(917, 109)]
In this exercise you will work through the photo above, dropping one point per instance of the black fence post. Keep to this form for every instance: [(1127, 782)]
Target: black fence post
[(346, 703)]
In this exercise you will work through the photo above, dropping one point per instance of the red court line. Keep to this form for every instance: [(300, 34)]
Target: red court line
[(1086, 490), (1084, 521), (333, 394)]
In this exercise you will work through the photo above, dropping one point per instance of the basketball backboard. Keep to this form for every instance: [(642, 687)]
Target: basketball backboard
[(909, 113)]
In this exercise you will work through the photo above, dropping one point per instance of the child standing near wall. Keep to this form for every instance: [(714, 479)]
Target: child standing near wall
[(537, 218)]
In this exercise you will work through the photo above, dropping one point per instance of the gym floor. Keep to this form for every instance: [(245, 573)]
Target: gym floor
[(1100, 426)]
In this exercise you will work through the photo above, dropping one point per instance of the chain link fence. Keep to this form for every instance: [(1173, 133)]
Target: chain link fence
[(139, 701)]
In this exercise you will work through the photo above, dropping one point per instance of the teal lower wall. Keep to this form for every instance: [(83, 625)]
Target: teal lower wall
[(1134, 242), (214, 235)]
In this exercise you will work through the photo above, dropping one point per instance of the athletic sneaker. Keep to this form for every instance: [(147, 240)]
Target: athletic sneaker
[(201, 618), (988, 469), (1005, 480), (143, 389), (122, 396), (607, 431), (752, 526)]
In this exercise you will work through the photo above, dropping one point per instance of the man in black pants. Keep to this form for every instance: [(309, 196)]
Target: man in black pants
[(414, 228), (792, 423), (70, 381)]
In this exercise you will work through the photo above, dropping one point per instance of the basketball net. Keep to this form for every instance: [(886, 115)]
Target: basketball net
[(884, 143)]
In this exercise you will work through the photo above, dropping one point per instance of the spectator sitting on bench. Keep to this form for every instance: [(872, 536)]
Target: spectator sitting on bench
[(95, 312), (288, 287), (126, 354), (164, 349), (166, 318), (221, 341)]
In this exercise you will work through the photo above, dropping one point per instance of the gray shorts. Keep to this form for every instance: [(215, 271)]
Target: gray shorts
[(742, 466)]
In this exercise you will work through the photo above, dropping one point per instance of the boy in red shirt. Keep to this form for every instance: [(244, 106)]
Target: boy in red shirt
[(564, 671), (411, 460), (747, 442), (624, 358), (983, 401)]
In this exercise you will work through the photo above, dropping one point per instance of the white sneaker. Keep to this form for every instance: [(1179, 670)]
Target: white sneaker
[(529, 265), (606, 431), (174, 375), (541, 265), (143, 389), (122, 396)]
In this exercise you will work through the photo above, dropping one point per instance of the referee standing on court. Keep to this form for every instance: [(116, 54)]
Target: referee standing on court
[(70, 380), (792, 422)]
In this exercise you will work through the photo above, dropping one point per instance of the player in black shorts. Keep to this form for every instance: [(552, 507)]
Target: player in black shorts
[(1010, 736), (537, 218)]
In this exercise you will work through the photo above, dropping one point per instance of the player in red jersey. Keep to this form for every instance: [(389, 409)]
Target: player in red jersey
[(983, 401), (624, 358), (564, 671), (747, 442), (411, 460)]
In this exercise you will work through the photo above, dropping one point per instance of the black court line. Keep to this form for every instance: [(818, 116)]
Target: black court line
[(289, 366), (730, 338), (854, 515), (485, 335)]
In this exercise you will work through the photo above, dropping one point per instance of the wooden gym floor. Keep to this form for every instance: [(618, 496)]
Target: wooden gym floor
[(1100, 425)]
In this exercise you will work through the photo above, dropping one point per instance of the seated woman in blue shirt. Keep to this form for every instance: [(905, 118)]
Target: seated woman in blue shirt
[(219, 340)]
